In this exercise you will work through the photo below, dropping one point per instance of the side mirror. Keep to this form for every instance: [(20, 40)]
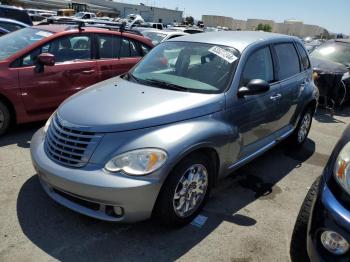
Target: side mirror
[(46, 59), (254, 87)]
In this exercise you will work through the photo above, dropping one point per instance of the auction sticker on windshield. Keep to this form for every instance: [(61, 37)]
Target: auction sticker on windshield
[(43, 33), (224, 54)]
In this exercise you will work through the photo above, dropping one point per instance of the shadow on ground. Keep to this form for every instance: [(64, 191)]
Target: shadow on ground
[(68, 236), (20, 135)]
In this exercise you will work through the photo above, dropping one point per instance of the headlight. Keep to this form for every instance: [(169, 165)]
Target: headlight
[(341, 168), (138, 162), (48, 122)]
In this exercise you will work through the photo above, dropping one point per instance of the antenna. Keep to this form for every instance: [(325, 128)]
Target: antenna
[(80, 25)]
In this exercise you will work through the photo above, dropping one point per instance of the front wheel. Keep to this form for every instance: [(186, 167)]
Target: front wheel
[(302, 130), (185, 191)]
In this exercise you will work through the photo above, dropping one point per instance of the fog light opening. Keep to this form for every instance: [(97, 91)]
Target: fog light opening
[(334, 243), (114, 211)]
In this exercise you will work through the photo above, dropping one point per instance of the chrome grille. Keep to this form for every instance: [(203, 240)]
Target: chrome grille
[(69, 146)]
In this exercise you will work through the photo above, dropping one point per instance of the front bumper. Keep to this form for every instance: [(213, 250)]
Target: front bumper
[(327, 214), (91, 190)]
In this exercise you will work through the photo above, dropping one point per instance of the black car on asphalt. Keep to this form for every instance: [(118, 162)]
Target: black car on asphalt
[(322, 228)]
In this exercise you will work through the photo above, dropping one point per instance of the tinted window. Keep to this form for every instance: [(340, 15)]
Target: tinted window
[(128, 48), (288, 60), (109, 46), (304, 58), (65, 49), (258, 66), (10, 26)]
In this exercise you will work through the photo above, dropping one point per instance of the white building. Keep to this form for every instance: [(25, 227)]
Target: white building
[(112, 8)]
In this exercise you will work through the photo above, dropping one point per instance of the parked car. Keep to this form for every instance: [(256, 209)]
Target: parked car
[(157, 139), (11, 25), (189, 30), (331, 62), (41, 66), (15, 13), (322, 229), (158, 36), (85, 15)]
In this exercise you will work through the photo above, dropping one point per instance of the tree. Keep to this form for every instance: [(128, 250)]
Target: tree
[(264, 27), (189, 20)]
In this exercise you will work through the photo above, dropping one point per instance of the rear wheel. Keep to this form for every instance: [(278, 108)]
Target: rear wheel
[(185, 191), (5, 118), (298, 252), (302, 130)]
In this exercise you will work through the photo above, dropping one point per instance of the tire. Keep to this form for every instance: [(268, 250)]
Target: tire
[(298, 251), (299, 135), (165, 209), (5, 118)]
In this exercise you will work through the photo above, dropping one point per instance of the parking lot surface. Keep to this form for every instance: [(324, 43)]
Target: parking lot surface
[(251, 213)]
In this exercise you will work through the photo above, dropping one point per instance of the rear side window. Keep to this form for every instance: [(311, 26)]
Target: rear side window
[(129, 48), (109, 46), (304, 57), (288, 60), (259, 66)]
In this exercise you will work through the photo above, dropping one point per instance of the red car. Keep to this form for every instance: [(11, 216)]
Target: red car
[(41, 66)]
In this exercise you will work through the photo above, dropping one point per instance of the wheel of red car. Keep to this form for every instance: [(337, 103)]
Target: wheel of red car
[(185, 191), (5, 118), (301, 132), (298, 251)]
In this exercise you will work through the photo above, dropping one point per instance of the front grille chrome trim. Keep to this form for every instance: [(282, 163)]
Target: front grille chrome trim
[(70, 145)]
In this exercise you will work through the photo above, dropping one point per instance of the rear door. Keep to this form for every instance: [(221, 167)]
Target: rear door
[(117, 54), (73, 71), (291, 79)]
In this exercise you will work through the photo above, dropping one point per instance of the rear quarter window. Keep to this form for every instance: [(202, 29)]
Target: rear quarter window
[(304, 57), (288, 60)]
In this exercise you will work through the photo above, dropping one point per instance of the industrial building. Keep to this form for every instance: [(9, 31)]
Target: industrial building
[(288, 27), (111, 8)]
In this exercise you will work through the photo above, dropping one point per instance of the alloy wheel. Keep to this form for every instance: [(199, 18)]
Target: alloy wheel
[(304, 127), (190, 190)]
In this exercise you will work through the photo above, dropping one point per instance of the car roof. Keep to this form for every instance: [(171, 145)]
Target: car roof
[(13, 21), (167, 32), (12, 7), (236, 39)]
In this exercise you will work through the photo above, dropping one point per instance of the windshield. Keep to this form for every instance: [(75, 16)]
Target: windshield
[(186, 66), (16, 41), (156, 37), (79, 15), (335, 52)]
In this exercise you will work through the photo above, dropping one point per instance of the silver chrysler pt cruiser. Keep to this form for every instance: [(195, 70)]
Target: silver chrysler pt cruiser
[(154, 142)]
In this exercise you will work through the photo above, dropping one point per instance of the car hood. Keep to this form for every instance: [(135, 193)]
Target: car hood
[(120, 105), (328, 66)]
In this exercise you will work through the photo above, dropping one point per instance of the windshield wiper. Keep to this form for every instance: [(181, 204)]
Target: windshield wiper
[(167, 85), (131, 76)]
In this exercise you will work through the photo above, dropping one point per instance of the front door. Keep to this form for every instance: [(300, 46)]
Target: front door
[(255, 116), (42, 92)]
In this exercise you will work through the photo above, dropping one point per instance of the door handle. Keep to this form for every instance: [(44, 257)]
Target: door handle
[(88, 72), (275, 97)]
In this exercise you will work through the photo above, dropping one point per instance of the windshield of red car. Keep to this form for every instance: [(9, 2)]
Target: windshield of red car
[(14, 42)]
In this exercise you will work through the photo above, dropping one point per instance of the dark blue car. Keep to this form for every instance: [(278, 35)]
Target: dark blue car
[(322, 229)]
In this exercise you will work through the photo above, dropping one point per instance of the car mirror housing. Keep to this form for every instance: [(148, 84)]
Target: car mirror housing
[(46, 59), (254, 87)]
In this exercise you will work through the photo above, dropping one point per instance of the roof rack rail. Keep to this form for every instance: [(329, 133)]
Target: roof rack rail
[(73, 24)]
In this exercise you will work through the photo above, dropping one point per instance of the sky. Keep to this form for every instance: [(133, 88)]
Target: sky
[(334, 15)]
